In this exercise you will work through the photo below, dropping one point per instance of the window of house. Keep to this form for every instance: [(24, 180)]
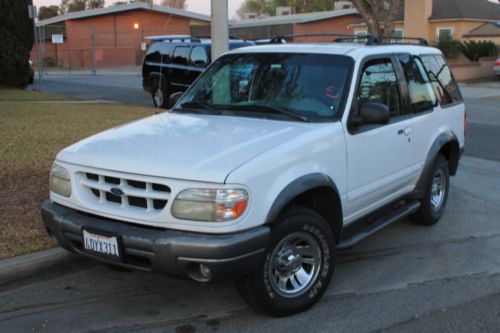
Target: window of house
[(379, 84), (181, 55), (398, 33), (199, 56), (445, 34), (422, 96), (445, 86)]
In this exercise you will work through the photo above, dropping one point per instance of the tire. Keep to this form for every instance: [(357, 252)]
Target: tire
[(434, 202), (309, 233), (160, 95)]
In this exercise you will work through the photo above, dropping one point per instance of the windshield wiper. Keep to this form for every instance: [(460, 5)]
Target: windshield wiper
[(200, 105), (277, 110)]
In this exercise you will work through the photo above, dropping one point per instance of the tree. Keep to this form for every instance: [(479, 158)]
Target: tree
[(16, 29), (46, 12), (268, 7), (181, 4), (372, 11), (94, 4), (68, 6), (77, 5)]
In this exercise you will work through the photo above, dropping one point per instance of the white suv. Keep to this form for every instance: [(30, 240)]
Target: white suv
[(277, 156)]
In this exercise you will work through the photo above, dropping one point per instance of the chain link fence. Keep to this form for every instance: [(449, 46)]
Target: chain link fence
[(88, 49)]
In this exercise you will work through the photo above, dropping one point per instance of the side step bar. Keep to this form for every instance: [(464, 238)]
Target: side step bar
[(369, 229)]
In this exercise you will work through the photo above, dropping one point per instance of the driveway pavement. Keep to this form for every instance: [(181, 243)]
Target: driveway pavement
[(407, 278)]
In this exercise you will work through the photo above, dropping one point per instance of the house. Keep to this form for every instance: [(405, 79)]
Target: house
[(486, 31), (438, 19), (111, 36)]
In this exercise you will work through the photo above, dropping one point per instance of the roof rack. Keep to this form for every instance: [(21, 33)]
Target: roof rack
[(173, 38), (421, 41), (370, 40), (186, 38)]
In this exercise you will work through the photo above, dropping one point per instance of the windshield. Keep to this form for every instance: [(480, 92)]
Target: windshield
[(285, 84)]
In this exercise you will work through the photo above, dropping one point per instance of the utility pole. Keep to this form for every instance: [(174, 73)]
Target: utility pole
[(33, 14), (219, 28)]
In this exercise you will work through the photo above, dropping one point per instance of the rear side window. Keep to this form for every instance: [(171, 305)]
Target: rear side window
[(199, 56), (445, 86), (422, 97), (159, 52), (181, 55)]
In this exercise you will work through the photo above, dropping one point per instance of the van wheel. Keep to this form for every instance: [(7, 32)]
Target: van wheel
[(298, 265), (160, 95), (436, 194)]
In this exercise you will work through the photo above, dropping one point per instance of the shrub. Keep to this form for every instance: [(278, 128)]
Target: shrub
[(14, 61), (474, 50), (449, 47), (16, 36)]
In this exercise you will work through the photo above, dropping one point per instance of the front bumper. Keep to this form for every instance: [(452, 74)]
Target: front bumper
[(169, 252)]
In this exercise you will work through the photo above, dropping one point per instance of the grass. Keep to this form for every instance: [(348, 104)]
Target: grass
[(30, 136), (16, 95)]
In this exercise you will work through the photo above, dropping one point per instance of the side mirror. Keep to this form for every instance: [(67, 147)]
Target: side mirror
[(374, 114), (174, 98)]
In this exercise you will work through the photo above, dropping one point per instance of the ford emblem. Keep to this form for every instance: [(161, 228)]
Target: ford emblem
[(117, 191)]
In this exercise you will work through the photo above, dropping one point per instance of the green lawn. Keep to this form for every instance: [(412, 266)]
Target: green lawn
[(16, 95), (30, 136)]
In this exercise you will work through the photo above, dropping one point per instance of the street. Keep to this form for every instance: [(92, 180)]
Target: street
[(410, 278)]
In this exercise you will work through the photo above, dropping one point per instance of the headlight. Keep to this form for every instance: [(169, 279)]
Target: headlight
[(210, 205), (59, 180)]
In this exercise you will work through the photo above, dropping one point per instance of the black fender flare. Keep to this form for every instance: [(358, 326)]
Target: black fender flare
[(442, 139), (299, 186)]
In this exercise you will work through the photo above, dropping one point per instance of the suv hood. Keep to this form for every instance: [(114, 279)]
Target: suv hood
[(183, 146)]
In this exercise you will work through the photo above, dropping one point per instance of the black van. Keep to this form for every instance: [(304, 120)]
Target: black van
[(172, 63)]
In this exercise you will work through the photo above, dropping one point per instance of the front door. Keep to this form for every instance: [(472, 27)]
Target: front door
[(379, 157)]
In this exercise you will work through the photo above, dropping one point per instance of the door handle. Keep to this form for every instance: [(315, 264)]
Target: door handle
[(406, 131)]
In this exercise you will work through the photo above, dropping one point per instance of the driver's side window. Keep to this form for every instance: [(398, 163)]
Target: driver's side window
[(379, 84)]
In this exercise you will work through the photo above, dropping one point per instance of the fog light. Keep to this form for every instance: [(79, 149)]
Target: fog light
[(205, 272)]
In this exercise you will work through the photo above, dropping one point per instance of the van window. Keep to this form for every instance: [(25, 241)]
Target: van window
[(445, 86), (199, 56), (181, 54), (422, 96)]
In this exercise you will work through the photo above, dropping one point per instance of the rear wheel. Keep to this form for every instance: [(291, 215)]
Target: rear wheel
[(298, 266), (436, 194), (160, 95)]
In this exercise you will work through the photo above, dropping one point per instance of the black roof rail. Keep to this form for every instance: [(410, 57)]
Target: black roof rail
[(370, 40), (421, 41)]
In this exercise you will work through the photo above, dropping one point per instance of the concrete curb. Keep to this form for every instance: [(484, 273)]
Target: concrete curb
[(23, 267)]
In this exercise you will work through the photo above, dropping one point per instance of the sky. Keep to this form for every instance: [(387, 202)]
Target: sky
[(200, 6)]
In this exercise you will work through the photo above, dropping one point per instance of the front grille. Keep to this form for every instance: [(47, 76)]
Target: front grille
[(152, 197)]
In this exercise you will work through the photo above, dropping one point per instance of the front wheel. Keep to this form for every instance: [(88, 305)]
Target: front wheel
[(298, 265), (436, 194), (160, 95)]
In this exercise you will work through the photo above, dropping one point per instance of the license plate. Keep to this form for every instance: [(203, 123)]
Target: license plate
[(108, 246)]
